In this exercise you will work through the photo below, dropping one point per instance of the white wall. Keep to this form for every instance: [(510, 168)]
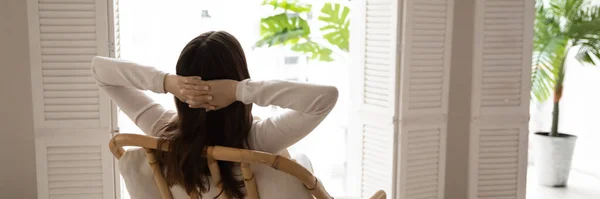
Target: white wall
[(17, 167)]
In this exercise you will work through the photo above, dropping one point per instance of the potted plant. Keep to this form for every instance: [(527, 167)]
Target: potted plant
[(562, 29)]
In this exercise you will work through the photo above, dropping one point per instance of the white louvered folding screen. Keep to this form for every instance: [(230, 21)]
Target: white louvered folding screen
[(425, 68), (71, 116), (375, 89), (500, 98)]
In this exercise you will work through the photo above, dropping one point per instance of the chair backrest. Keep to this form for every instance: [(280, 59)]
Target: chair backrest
[(219, 153)]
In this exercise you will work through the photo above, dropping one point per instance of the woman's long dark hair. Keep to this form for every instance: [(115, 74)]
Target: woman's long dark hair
[(212, 55)]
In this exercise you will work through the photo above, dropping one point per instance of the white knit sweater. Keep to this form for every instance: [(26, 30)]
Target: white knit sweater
[(308, 104)]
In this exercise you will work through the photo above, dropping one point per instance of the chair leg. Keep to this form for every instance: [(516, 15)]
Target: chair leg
[(251, 190), (161, 183)]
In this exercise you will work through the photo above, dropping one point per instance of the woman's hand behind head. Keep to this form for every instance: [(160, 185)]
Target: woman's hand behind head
[(211, 95)]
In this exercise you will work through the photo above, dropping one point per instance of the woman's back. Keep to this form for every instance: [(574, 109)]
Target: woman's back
[(194, 126)]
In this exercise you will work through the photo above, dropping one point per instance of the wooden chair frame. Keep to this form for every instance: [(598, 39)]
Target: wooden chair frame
[(219, 153)]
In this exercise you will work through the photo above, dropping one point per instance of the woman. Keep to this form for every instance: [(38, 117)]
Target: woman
[(214, 96)]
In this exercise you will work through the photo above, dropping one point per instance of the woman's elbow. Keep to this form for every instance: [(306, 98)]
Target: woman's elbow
[(94, 68), (332, 94), (327, 100)]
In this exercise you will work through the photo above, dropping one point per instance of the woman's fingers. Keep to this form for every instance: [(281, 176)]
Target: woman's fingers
[(208, 107), (194, 80), (198, 101), (193, 92), (195, 87)]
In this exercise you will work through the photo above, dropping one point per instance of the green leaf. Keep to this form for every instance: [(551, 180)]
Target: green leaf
[(314, 50), (584, 30), (337, 30), (290, 5), (584, 55), (282, 29), (549, 48)]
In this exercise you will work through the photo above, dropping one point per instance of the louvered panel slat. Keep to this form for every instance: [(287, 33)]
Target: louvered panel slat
[(420, 175), (71, 101), (425, 184), (69, 51), (68, 43), (94, 196), (66, 73), (427, 54), (70, 94), (82, 192), (423, 192), (377, 159), (67, 14), (68, 36), (423, 157), (67, 22), (73, 163), (67, 87), (66, 65), (74, 177), (68, 29), (426, 178), (66, 58), (72, 116), (67, 1), (75, 6), (74, 171), (70, 108), (423, 162), (83, 183), (65, 80), (74, 156)]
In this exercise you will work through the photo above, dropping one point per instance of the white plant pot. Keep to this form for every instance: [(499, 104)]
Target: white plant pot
[(553, 157)]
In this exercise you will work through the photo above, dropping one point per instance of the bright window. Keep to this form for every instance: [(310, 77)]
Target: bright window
[(154, 32)]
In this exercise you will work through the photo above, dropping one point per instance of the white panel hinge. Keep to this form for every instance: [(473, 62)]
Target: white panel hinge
[(111, 47), (116, 131)]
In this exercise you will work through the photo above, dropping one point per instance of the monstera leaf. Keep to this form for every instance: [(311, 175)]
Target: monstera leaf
[(291, 30), (290, 5), (337, 29), (314, 50), (282, 29)]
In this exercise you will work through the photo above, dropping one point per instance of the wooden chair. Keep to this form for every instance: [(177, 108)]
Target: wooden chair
[(219, 153)]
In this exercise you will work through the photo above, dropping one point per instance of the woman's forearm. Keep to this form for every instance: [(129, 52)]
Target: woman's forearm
[(170, 84), (115, 72)]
